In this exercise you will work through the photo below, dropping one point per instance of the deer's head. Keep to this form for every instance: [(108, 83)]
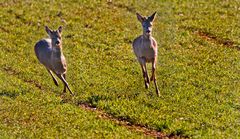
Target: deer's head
[(56, 36), (147, 23)]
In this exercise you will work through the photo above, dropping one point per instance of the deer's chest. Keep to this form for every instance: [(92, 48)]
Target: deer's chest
[(58, 63), (146, 49)]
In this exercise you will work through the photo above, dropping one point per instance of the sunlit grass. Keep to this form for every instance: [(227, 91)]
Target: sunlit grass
[(198, 79)]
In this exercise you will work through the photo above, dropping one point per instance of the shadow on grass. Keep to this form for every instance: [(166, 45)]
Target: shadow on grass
[(9, 94), (179, 133)]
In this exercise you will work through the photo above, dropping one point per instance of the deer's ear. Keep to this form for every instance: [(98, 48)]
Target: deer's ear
[(152, 17), (60, 29), (140, 18), (48, 30)]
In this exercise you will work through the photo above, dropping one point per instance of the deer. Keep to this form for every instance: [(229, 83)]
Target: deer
[(146, 49), (49, 53)]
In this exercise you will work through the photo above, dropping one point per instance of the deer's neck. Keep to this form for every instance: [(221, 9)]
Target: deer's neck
[(146, 37), (146, 41), (57, 52)]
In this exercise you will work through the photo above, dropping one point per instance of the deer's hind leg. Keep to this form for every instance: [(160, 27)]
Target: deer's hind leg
[(60, 76), (142, 62), (65, 87), (54, 79)]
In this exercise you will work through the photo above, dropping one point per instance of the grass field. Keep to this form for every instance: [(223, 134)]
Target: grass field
[(198, 69)]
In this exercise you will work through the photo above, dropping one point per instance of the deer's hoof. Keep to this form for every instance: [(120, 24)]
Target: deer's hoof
[(158, 93), (146, 85), (151, 79), (56, 83), (72, 94)]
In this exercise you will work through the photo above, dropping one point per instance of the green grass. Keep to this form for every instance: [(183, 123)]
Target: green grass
[(25, 113), (198, 78)]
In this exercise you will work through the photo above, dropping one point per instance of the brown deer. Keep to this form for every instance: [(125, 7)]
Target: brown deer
[(145, 49), (49, 53)]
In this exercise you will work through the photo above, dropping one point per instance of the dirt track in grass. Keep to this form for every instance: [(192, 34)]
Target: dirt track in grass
[(134, 127), (213, 38), (101, 114)]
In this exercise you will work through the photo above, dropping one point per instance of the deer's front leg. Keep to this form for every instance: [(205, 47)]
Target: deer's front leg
[(144, 71)]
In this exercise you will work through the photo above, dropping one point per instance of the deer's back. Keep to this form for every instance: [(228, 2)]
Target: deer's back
[(145, 48), (43, 51)]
